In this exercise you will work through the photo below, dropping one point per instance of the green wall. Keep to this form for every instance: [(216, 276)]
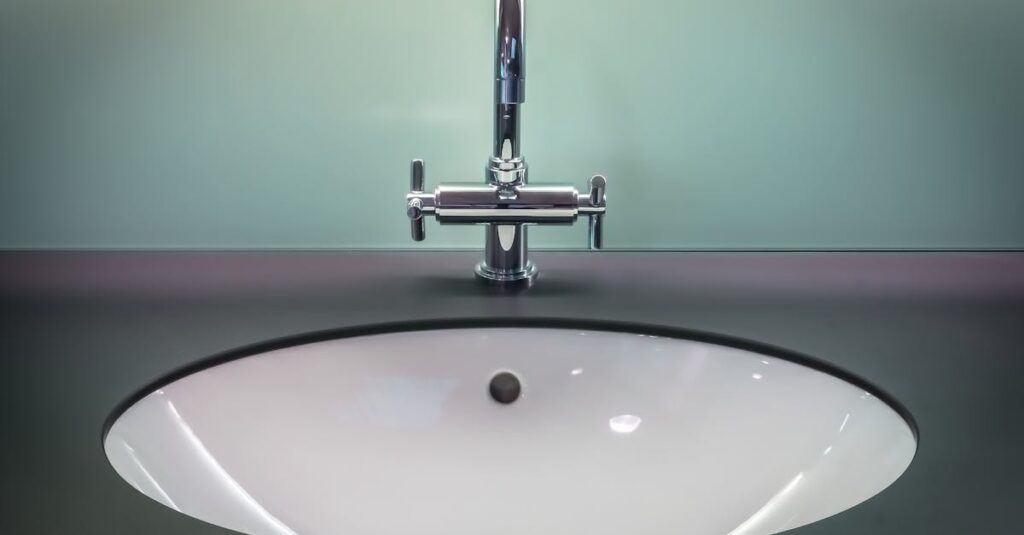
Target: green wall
[(732, 124)]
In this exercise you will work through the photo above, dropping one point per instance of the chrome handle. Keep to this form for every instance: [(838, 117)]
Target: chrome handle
[(598, 184), (415, 213), (414, 208), (505, 205), (416, 175), (596, 232)]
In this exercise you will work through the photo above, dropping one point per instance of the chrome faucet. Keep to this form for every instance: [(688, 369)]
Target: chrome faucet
[(504, 203)]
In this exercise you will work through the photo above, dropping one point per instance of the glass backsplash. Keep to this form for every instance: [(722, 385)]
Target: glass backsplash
[(719, 124)]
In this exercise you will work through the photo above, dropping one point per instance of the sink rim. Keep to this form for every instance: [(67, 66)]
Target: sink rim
[(612, 326)]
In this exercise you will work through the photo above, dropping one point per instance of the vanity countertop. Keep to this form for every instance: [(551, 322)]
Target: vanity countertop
[(941, 332)]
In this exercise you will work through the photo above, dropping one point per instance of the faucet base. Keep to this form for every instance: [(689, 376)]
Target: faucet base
[(505, 261), (523, 277)]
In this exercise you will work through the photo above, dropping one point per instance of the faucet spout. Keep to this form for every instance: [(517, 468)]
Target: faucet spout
[(509, 84), (509, 62)]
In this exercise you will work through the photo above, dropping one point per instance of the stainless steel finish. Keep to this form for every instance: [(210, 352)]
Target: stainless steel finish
[(509, 85), (505, 256), (415, 206), (505, 203), (597, 184), (415, 213), (509, 59), (596, 232)]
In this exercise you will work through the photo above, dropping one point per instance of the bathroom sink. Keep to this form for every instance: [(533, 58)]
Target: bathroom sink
[(531, 428)]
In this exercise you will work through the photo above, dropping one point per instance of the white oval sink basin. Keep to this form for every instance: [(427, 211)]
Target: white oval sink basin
[(613, 433)]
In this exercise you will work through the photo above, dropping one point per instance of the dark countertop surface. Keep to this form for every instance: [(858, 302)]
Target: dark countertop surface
[(942, 332)]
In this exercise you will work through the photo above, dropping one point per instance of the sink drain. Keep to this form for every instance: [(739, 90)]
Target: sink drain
[(505, 388)]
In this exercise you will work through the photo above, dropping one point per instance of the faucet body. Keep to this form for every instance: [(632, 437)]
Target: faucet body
[(505, 204)]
